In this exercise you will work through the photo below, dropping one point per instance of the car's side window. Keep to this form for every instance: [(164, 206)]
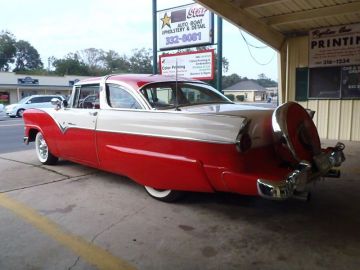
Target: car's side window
[(87, 97), (118, 97), (163, 97), (47, 99), (35, 100)]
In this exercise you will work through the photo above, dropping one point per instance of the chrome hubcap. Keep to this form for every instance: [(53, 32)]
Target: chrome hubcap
[(42, 147)]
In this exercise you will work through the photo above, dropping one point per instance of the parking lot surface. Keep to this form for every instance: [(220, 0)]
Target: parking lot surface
[(73, 217)]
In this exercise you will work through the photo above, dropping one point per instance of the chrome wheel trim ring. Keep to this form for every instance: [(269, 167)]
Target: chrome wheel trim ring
[(158, 193), (42, 149)]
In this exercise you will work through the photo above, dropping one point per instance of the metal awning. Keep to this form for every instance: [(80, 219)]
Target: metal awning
[(273, 20)]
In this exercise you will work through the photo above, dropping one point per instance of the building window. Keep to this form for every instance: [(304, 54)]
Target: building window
[(334, 82), (324, 82)]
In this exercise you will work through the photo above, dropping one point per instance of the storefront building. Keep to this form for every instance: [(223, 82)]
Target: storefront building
[(14, 87), (319, 55), (247, 91)]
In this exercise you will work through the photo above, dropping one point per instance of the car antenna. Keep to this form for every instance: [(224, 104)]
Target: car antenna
[(176, 86)]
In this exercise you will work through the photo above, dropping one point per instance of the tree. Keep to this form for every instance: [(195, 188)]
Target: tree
[(230, 96), (230, 80), (71, 64), (240, 97), (27, 57), (141, 61), (7, 50), (114, 63), (93, 59), (265, 81)]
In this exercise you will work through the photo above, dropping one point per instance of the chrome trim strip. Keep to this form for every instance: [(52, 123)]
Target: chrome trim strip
[(164, 136), (150, 154)]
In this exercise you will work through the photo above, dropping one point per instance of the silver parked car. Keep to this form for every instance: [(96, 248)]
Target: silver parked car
[(31, 102)]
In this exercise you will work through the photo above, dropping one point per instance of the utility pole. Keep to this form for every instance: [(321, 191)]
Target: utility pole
[(154, 10), (219, 54)]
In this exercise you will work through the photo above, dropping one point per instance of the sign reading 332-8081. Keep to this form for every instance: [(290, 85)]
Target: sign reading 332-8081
[(185, 26)]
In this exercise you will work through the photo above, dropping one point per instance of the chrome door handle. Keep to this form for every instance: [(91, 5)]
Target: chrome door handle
[(93, 113)]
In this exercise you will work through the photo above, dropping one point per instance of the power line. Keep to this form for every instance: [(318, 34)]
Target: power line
[(251, 45), (248, 45)]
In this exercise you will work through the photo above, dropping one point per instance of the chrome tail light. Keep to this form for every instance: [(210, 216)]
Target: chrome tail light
[(243, 139)]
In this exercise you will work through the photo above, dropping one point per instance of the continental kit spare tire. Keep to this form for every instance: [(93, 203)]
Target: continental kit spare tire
[(295, 133)]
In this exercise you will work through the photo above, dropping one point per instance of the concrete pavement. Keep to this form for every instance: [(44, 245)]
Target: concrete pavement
[(72, 217)]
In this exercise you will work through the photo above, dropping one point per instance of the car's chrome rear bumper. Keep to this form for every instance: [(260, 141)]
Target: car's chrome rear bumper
[(26, 140), (298, 179)]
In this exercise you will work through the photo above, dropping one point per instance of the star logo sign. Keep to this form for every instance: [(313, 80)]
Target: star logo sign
[(165, 21)]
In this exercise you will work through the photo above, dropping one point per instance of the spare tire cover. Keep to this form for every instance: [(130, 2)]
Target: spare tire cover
[(294, 128)]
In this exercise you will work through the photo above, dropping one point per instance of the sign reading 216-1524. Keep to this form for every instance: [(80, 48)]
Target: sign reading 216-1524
[(185, 26)]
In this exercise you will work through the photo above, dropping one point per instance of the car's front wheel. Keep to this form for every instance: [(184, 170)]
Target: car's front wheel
[(165, 195), (42, 150), (20, 113)]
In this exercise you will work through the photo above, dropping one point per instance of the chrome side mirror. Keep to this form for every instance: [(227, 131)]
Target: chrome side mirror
[(56, 102)]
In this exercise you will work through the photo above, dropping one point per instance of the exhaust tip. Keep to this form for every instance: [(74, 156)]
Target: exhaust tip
[(304, 196)]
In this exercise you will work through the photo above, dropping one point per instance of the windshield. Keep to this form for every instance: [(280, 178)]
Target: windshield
[(23, 100), (168, 95)]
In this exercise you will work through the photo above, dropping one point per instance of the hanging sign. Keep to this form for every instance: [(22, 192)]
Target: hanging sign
[(196, 65), (334, 46), (185, 26)]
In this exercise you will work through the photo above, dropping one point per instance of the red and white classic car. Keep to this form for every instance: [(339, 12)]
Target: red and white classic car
[(182, 135)]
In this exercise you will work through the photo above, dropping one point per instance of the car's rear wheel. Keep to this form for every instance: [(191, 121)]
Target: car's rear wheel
[(42, 150), (20, 113), (165, 195)]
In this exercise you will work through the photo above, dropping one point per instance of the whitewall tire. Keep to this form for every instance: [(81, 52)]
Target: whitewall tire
[(42, 150), (166, 195)]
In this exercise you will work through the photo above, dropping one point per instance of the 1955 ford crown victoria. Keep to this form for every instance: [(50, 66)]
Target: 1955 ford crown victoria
[(182, 135)]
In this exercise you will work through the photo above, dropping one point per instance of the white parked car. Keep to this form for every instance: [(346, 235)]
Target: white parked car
[(2, 112), (31, 102)]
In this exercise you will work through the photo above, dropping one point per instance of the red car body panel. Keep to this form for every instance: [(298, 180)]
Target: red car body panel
[(180, 164)]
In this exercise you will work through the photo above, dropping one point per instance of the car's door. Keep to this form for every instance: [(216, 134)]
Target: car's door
[(45, 101), (77, 124), (34, 102)]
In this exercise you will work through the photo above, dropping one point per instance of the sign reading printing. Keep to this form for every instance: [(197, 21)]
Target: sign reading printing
[(334, 46), (196, 65), (185, 26)]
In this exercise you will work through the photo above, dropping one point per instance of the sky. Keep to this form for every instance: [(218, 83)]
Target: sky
[(56, 28)]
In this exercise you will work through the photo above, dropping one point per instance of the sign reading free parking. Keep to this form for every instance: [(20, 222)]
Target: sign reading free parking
[(196, 65), (185, 26)]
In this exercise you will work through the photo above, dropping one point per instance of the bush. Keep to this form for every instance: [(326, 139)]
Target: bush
[(231, 97), (240, 97)]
